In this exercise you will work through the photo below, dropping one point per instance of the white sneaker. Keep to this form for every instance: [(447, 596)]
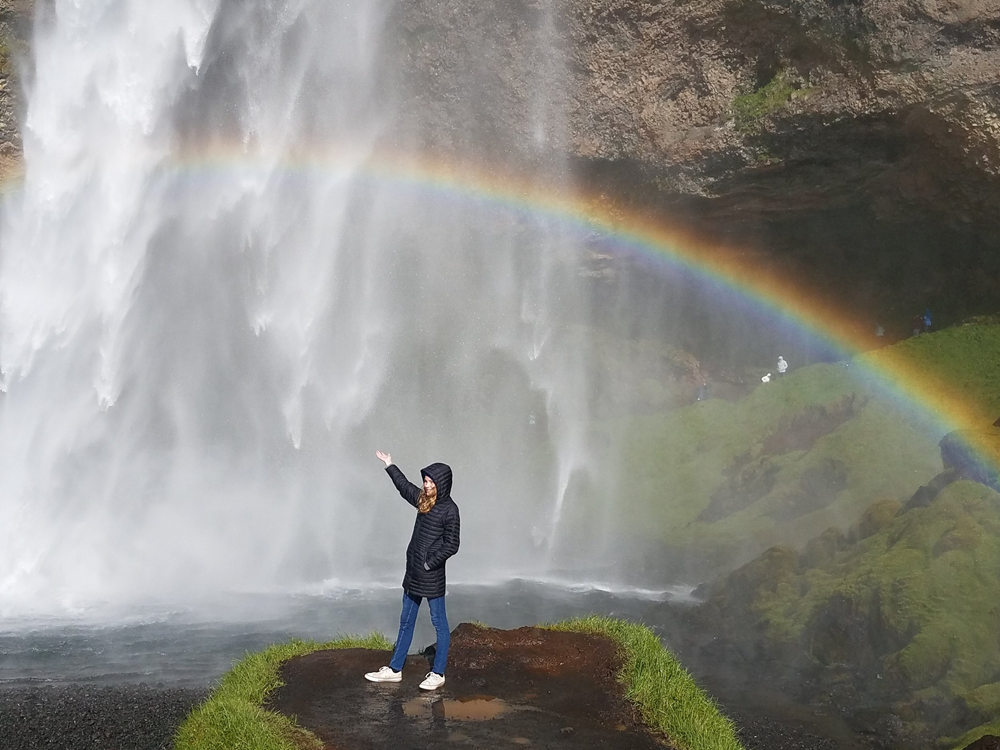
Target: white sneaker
[(432, 681), (385, 674)]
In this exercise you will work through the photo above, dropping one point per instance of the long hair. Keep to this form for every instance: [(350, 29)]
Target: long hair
[(426, 500)]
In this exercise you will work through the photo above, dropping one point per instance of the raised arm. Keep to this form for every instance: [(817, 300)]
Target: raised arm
[(409, 491), (449, 541)]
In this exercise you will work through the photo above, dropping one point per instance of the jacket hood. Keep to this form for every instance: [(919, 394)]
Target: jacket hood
[(440, 474)]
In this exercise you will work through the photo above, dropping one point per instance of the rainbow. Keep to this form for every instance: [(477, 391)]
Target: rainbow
[(734, 269)]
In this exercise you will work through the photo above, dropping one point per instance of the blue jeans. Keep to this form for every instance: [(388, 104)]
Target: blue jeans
[(407, 619)]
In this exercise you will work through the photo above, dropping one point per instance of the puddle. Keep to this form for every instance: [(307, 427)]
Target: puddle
[(471, 708)]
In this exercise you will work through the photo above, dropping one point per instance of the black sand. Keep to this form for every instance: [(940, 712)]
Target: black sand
[(87, 717)]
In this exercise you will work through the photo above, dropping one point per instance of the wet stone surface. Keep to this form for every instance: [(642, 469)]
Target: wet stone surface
[(505, 688)]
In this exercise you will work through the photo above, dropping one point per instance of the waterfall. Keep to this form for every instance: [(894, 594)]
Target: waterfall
[(213, 310)]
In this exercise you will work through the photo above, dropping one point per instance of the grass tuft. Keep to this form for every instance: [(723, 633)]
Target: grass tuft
[(749, 108), (666, 695), (234, 716)]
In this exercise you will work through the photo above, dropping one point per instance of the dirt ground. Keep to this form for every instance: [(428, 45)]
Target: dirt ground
[(505, 689)]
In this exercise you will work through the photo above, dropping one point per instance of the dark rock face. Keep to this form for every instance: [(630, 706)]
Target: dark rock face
[(987, 742), (858, 142), (752, 474), (964, 461), (15, 22), (926, 494), (854, 146), (818, 487)]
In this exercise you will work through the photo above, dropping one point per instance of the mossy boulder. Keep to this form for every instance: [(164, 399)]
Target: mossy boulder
[(820, 551), (984, 701), (901, 611), (878, 515)]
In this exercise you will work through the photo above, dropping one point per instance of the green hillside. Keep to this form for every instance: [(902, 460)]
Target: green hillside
[(716, 482), (894, 602), (903, 609)]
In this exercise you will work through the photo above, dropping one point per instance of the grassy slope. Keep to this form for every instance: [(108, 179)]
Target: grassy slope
[(669, 701), (933, 572), (965, 359), (673, 463), (667, 696), (931, 578)]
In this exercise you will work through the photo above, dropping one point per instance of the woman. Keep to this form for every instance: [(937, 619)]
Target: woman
[(435, 538)]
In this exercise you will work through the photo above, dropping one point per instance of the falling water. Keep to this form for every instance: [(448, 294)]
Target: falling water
[(206, 332)]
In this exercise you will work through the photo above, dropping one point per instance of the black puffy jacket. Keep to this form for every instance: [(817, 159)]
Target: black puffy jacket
[(435, 535)]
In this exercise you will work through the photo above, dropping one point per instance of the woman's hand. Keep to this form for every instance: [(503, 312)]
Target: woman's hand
[(384, 458)]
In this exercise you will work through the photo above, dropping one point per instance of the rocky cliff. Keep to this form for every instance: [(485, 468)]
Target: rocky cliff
[(15, 22), (855, 142)]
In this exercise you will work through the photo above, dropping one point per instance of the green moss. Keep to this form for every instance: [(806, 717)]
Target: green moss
[(667, 697), (955, 362), (878, 516), (11, 50), (749, 108), (938, 603), (984, 700)]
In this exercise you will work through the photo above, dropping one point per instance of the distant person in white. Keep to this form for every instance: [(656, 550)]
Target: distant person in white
[(782, 366), (766, 378)]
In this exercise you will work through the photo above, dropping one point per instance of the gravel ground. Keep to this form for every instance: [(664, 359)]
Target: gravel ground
[(758, 732), (88, 717)]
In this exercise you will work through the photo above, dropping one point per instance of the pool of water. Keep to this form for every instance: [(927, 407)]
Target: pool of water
[(191, 646)]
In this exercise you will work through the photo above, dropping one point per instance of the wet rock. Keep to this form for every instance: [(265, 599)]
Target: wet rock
[(820, 551), (850, 141), (926, 494), (818, 487), (801, 431), (554, 686), (776, 566), (875, 518), (852, 631), (986, 742), (963, 452), (747, 480)]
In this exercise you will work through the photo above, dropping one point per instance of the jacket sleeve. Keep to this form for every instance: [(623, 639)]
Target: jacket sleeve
[(409, 491), (449, 542)]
